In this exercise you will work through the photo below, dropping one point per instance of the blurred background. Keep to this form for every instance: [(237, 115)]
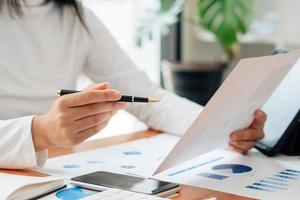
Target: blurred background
[(190, 46)]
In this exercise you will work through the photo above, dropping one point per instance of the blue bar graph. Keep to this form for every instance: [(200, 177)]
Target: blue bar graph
[(195, 166), (289, 174), (273, 182), (279, 181), (213, 176), (269, 186), (292, 170), (286, 177), (259, 189)]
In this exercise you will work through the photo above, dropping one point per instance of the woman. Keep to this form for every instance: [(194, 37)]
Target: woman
[(45, 45)]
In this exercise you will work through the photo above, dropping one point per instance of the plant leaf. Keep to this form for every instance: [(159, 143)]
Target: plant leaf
[(226, 19)]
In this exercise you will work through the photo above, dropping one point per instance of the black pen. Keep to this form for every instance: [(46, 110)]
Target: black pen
[(124, 98)]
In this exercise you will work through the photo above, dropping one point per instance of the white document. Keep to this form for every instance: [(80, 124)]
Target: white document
[(140, 157), (25, 187), (253, 175), (232, 107)]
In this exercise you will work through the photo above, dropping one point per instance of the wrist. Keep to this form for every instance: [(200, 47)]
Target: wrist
[(39, 133)]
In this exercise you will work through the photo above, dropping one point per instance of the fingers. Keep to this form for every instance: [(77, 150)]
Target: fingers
[(89, 97), (247, 134), (100, 86), (243, 140), (239, 150), (92, 121), (255, 131), (259, 120), (242, 146), (83, 135), (77, 113)]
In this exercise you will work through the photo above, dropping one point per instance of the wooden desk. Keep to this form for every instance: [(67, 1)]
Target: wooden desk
[(186, 193)]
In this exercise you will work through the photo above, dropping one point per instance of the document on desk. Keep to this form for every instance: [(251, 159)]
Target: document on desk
[(253, 175), (246, 89), (139, 157)]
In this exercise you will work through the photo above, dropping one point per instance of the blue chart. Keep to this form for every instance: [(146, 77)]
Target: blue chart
[(194, 167), (71, 166), (130, 153), (73, 193), (232, 168), (278, 182), (95, 161), (213, 176), (127, 166)]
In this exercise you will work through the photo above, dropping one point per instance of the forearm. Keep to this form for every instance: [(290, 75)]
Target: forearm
[(16, 145)]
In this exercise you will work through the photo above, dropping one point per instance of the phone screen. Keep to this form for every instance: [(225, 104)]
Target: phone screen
[(125, 182), (282, 107)]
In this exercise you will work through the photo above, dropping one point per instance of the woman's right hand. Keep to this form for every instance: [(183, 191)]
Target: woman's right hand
[(75, 117)]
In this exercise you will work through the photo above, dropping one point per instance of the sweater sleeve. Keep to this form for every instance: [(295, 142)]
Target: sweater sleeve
[(16, 145), (106, 61)]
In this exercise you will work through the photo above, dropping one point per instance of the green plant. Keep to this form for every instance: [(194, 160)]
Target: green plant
[(225, 19), (160, 19)]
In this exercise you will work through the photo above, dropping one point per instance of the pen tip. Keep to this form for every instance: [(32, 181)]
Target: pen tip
[(153, 100)]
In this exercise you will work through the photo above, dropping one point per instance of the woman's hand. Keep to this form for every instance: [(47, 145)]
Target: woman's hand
[(243, 140), (75, 117)]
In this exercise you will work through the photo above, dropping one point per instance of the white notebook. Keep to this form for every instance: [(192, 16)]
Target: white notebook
[(15, 187)]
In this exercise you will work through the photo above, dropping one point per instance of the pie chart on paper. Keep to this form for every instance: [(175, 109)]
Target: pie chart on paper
[(232, 168)]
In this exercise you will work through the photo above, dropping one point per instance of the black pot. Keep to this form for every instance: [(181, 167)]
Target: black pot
[(195, 81)]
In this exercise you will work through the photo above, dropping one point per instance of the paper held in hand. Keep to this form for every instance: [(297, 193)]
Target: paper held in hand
[(246, 89)]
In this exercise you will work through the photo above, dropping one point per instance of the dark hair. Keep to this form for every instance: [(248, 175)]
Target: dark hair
[(14, 7)]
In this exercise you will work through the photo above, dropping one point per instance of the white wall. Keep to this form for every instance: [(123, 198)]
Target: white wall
[(122, 18)]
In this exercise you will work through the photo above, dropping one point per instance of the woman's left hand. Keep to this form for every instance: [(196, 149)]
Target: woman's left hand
[(243, 140)]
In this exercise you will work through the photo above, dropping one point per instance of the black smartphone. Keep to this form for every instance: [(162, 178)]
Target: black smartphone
[(101, 180)]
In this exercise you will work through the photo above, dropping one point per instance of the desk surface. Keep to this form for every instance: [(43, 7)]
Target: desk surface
[(186, 193)]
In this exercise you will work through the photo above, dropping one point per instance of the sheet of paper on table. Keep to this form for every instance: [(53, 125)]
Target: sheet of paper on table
[(253, 175), (140, 157), (246, 89)]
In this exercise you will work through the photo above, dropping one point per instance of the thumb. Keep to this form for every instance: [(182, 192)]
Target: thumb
[(100, 86), (259, 119)]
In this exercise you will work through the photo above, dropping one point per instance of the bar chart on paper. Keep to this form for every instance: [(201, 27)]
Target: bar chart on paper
[(130, 158), (280, 181), (252, 176)]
